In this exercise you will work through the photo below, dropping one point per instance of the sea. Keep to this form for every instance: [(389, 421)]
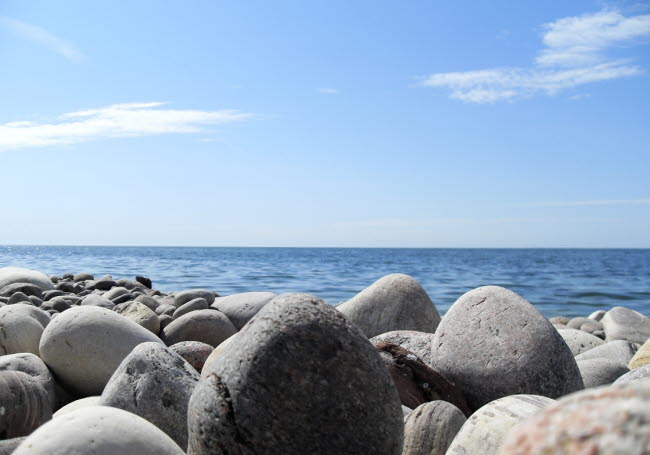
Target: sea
[(559, 282)]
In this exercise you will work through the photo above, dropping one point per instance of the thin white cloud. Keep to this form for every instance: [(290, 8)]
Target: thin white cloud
[(42, 37), (328, 91), (642, 201), (574, 55), (118, 120)]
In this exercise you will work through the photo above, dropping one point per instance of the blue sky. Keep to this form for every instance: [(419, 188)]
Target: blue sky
[(313, 123)]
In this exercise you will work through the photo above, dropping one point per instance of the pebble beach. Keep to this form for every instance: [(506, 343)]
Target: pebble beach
[(112, 365)]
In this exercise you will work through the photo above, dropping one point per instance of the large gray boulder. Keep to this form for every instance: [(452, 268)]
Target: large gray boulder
[(10, 275), (394, 302), (156, 384), (597, 372), (419, 343), (100, 430), (579, 341), (33, 366), (620, 351), (24, 404), (299, 379), (84, 346), (493, 343), (484, 432), (608, 420), (431, 427), (21, 329), (208, 326), (240, 308), (624, 324)]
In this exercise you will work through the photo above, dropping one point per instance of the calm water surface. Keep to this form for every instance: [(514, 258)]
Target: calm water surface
[(558, 281)]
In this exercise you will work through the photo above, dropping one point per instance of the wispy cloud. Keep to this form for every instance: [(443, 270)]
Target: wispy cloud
[(643, 201), (42, 37), (328, 91), (574, 54), (118, 120)]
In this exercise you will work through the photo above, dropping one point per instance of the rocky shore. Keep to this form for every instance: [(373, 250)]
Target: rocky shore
[(112, 366)]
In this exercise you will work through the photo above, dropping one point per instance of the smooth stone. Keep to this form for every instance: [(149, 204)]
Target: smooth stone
[(575, 323), (103, 284), (212, 358), (115, 293), (419, 343), (597, 315), (620, 351), (559, 326), (641, 357), (624, 324), (26, 288), (35, 301), (146, 282), (597, 372), (240, 308), (208, 326), (186, 296), (579, 341), (67, 276), (406, 412), (97, 300), (82, 277), (485, 431), (19, 297), (431, 427), (599, 333), (10, 275), (47, 295), (33, 366), (77, 404), (140, 314), (607, 420), (415, 382), (41, 316), (24, 404), (84, 346), (561, 320), (194, 352), (68, 286), (165, 309), (192, 305), (7, 446), (493, 343), (155, 383), (301, 372), (394, 302), (59, 304), (124, 298), (148, 301), (20, 330), (100, 430), (165, 320), (637, 374), (590, 327)]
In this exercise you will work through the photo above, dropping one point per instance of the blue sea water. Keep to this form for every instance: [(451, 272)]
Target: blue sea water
[(568, 282)]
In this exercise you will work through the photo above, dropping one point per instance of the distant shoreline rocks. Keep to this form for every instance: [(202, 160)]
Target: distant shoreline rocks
[(115, 364)]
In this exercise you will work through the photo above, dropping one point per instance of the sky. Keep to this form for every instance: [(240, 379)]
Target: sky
[(325, 123)]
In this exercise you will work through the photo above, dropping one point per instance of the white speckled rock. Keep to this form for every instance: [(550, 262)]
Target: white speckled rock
[(597, 372), (493, 343), (431, 427), (155, 383), (77, 404), (394, 302), (240, 308), (610, 420), (579, 341), (84, 345), (20, 330), (624, 324), (620, 351), (485, 430), (10, 275), (419, 343), (98, 430)]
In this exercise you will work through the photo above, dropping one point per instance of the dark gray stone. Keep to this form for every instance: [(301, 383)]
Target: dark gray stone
[(59, 304), (208, 326), (419, 343), (192, 305), (114, 293), (299, 379), (165, 320), (493, 343), (394, 302), (597, 372), (186, 296), (155, 383), (240, 308), (123, 298), (24, 402), (146, 282), (48, 295), (19, 297), (431, 427), (26, 288), (35, 301), (103, 284)]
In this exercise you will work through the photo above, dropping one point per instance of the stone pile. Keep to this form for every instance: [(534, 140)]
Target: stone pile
[(113, 366)]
